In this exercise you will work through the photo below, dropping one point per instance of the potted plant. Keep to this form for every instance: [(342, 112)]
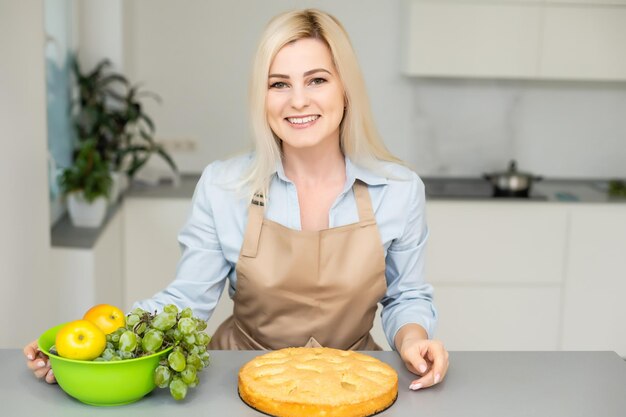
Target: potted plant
[(87, 183), (109, 109)]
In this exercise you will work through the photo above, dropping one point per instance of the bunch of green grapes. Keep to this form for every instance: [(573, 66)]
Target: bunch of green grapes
[(146, 333)]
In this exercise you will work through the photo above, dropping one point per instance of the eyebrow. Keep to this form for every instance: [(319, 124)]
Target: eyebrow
[(307, 73)]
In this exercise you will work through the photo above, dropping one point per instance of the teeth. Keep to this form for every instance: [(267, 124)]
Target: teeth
[(302, 120)]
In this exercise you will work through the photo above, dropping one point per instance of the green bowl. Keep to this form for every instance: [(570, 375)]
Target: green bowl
[(102, 383)]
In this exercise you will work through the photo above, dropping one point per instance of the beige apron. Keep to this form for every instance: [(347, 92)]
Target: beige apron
[(306, 288)]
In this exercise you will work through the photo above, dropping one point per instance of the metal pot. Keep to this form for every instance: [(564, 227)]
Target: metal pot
[(511, 183)]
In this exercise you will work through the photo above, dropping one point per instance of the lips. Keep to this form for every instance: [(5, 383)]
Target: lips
[(300, 122)]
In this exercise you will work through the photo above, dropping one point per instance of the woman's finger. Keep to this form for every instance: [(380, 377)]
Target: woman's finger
[(423, 382), (42, 372), (50, 379), (31, 350), (439, 358), (38, 363), (417, 364)]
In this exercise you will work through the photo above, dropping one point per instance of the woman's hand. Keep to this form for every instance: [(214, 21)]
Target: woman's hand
[(38, 363), (424, 357)]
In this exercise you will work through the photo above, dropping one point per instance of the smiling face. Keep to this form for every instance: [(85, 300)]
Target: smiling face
[(305, 97)]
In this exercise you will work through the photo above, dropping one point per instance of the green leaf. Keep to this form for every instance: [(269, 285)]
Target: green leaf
[(113, 78), (148, 121), (136, 164), (147, 137), (167, 158), (88, 173), (103, 64)]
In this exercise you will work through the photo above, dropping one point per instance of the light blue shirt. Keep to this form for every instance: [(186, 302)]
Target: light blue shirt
[(213, 235)]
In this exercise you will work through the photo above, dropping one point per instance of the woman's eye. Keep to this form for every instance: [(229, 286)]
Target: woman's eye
[(278, 84), (318, 81)]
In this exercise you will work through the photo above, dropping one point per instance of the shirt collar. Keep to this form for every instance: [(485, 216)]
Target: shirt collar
[(356, 172), (353, 173)]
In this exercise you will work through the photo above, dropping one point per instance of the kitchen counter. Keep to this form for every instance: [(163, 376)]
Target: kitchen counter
[(547, 190), (437, 188), (478, 384)]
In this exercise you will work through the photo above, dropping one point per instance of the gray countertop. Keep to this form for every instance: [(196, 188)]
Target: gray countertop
[(184, 189), (547, 190), (551, 190), (478, 384)]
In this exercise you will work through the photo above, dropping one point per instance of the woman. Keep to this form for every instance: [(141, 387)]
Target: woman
[(297, 226)]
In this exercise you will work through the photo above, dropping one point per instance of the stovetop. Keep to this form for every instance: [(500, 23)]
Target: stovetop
[(469, 188)]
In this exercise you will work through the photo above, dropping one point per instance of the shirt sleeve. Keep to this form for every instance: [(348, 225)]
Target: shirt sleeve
[(202, 269), (409, 298)]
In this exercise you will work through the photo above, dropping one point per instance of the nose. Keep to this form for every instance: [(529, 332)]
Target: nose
[(299, 98)]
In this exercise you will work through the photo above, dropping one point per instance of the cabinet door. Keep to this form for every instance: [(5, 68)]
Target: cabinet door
[(472, 39), (498, 318), (151, 250), (584, 42), (498, 243), (594, 308)]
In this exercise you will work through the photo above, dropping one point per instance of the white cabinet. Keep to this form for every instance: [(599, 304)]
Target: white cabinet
[(151, 250), (85, 277), (503, 243), (497, 269), (498, 317), (594, 307), (473, 39), (582, 42), (565, 40)]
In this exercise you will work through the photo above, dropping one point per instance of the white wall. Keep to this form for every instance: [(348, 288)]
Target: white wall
[(26, 307), (100, 33), (198, 58), (197, 55)]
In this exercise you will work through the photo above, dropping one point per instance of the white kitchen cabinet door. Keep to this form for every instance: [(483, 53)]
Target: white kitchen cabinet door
[(497, 318), (495, 242), (472, 39), (85, 277), (595, 287), (584, 43), (151, 250)]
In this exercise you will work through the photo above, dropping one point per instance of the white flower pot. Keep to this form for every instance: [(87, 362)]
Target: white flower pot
[(84, 214)]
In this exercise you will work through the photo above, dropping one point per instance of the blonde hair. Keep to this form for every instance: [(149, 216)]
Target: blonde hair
[(359, 139)]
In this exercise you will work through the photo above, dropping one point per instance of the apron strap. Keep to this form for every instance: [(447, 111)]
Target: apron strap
[(256, 213), (363, 204)]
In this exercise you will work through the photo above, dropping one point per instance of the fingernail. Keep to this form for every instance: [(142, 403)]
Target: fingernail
[(51, 372), (30, 356), (415, 387), (437, 378), (41, 364), (422, 367)]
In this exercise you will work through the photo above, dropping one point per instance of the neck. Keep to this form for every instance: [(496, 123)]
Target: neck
[(313, 166)]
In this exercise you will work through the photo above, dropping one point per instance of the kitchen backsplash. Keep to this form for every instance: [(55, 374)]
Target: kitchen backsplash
[(556, 129)]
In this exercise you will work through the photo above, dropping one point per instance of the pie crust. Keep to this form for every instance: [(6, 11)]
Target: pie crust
[(297, 382)]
